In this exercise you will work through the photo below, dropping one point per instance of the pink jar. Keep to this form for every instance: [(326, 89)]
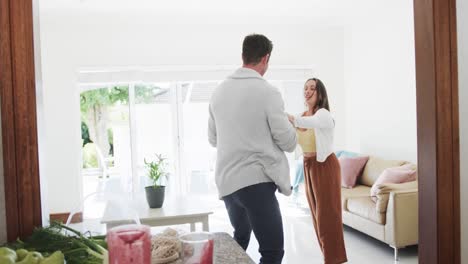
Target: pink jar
[(129, 244)]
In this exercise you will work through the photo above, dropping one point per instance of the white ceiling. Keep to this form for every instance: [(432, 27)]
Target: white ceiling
[(326, 11)]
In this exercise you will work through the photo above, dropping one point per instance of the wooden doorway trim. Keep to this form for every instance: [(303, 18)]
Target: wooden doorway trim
[(438, 131), (18, 112), (437, 113)]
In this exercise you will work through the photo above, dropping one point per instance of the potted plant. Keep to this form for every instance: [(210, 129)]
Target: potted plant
[(156, 172)]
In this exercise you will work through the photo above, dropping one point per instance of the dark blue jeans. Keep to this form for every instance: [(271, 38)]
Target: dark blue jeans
[(255, 208)]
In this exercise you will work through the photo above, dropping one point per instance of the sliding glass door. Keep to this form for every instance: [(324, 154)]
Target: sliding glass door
[(127, 123), (198, 156)]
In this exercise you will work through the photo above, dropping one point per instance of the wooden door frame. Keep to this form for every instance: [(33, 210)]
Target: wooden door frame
[(438, 130), (18, 114), (437, 115)]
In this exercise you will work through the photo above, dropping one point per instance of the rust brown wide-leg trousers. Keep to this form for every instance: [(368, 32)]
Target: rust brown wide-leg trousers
[(323, 190)]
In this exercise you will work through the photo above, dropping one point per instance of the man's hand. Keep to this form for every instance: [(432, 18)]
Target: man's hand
[(291, 119)]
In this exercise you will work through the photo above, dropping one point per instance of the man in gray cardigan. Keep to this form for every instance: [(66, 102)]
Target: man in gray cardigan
[(250, 130)]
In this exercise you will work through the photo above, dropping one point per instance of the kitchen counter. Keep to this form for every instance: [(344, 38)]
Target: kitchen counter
[(227, 251)]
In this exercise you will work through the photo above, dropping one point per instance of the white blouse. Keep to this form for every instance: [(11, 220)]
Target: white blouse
[(324, 125)]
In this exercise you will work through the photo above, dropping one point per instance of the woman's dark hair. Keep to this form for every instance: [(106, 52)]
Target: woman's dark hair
[(255, 47), (322, 97)]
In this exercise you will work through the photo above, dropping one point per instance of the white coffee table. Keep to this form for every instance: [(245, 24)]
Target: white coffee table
[(173, 212)]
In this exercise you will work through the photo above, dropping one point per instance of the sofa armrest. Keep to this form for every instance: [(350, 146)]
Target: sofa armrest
[(384, 190), (401, 228)]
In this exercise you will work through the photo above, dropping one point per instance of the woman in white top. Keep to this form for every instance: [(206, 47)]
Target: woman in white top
[(322, 175)]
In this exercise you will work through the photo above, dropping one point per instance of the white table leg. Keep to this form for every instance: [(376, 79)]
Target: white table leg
[(192, 227), (205, 224)]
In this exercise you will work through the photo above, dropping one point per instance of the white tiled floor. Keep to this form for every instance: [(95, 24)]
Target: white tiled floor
[(300, 241)]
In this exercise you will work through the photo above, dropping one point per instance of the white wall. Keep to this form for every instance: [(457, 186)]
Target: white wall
[(380, 79), (462, 32), (71, 40), (41, 135), (3, 236)]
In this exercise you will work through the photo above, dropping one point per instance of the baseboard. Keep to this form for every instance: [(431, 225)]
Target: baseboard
[(63, 217)]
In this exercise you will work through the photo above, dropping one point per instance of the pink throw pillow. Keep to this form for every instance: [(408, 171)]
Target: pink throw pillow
[(401, 174), (351, 170)]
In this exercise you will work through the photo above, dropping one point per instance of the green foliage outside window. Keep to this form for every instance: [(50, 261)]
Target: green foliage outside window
[(95, 106)]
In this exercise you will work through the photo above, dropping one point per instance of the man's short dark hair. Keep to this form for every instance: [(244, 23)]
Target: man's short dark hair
[(255, 47)]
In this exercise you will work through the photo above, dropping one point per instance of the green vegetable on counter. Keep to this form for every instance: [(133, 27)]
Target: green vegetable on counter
[(7, 260), (22, 256), (7, 256), (32, 258), (56, 258), (21, 253), (74, 246)]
